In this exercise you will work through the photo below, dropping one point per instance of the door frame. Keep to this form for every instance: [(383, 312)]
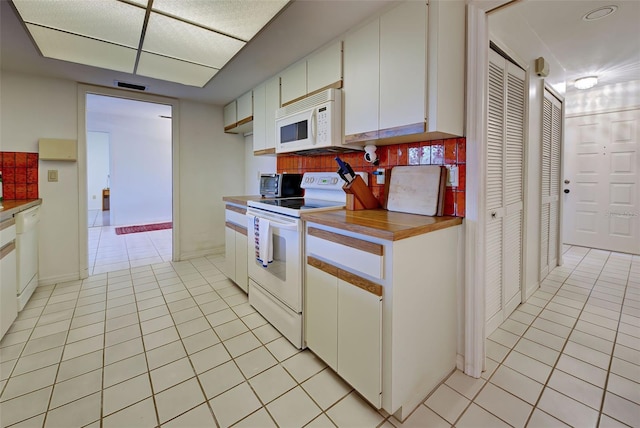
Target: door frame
[(83, 230)]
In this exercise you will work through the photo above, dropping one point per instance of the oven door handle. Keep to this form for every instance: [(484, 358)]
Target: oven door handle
[(286, 226)]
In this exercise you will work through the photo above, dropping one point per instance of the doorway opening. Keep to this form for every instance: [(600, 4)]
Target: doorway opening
[(129, 183)]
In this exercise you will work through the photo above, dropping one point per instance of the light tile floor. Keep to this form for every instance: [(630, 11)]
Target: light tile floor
[(109, 252), (177, 345)]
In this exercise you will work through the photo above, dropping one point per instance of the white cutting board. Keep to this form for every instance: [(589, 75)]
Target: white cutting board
[(414, 189)]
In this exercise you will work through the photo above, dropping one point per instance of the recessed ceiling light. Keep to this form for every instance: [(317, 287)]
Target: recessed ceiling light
[(599, 13), (586, 82)]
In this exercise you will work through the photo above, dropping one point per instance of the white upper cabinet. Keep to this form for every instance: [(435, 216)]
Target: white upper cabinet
[(324, 68), (362, 80), (266, 100), (404, 74), (293, 82), (320, 70), (238, 114)]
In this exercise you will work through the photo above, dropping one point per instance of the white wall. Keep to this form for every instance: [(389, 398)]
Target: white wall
[(97, 168), (140, 167), (254, 165), (34, 107), (600, 99)]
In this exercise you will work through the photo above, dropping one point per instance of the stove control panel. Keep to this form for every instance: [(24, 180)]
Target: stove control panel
[(325, 180)]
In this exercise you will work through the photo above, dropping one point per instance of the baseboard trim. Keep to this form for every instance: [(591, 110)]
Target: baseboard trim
[(201, 253), (52, 280)]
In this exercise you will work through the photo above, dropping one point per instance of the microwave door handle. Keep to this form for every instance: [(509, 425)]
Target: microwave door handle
[(314, 121)]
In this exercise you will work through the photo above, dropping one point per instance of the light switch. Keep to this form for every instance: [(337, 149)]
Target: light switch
[(52, 175), (452, 175)]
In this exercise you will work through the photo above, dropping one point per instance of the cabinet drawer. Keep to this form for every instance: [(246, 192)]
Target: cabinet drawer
[(235, 215), (7, 231), (357, 254)]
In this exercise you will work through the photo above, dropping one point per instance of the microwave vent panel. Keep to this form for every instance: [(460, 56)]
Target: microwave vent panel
[(311, 101)]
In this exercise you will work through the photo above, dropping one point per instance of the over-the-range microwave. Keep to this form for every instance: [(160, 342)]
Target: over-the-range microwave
[(312, 123)]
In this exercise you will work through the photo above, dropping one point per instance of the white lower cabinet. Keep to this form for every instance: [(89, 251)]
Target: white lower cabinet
[(8, 277), (390, 332), (236, 251)]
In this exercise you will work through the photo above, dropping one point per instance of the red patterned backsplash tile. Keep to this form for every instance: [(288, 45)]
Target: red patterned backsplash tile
[(439, 152), (19, 175)]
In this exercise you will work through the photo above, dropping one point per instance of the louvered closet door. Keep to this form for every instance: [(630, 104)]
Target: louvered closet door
[(504, 190), (550, 191)]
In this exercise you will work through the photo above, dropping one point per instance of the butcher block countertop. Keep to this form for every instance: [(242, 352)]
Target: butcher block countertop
[(13, 206), (241, 200), (381, 223)]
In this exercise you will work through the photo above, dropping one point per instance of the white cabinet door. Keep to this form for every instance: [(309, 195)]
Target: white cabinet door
[(362, 79), (8, 286), (360, 341), (324, 68), (245, 107), (241, 266), (272, 104), (403, 65), (293, 82), (259, 117), (321, 315), (230, 253), (230, 115)]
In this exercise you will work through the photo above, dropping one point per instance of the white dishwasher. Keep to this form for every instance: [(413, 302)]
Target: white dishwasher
[(27, 257), (8, 305)]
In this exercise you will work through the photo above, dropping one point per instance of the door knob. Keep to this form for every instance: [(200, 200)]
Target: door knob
[(567, 181), (566, 190), (494, 214)]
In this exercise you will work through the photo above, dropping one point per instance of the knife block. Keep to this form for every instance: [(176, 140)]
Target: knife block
[(359, 197)]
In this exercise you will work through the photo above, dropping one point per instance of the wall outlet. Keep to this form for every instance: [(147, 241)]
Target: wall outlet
[(52, 175), (452, 175), (379, 176)]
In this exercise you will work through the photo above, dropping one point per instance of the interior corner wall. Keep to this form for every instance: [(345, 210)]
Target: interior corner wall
[(34, 108), (254, 166), (212, 165)]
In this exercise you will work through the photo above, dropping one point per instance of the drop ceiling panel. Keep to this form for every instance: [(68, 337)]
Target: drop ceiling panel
[(188, 42), (173, 70), (238, 18), (81, 50), (111, 21)]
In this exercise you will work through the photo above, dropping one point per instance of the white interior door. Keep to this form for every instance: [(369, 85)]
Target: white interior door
[(505, 189), (550, 183), (601, 209)]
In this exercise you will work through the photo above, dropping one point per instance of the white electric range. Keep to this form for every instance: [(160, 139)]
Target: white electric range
[(276, 291)]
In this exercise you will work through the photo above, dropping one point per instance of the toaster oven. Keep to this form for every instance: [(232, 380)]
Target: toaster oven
[(280, 185)]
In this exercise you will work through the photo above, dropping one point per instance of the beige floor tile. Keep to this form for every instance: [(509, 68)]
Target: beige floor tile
[(114, 337), (272, 383), (140, 415), (504, 338), (421, 417), (221, 317), (582, 370), (156, 324), (496, 351), (281, 348), (37, 361), (262, 419), (623, 410), (577, 389), (75, 414), (567, 410), (517, 384), (200, 341), (126, 393), (476, 416), (354, 411), (194, 326), (295, 408), (77, 387), (528, 366), (586, 354), (209, 358), (624, 387), (29, 382), (230, 329), (507, 407), (44, 343), (200, 417), (220, 379), (153, 313), (178, 399), (447, 403), (266, 333), (609, 422), (159, 338), (24, 407), (465, 385), (242, 344), (124, 369), (234, 405), (187, 314), (123, 350), (625, 369), (171, 374), (165, 354), (326, 388), (256, 361), (540, 419)]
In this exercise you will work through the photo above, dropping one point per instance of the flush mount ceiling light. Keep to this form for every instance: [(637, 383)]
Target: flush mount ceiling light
[(599, 13), (183, 41), (586, 82)]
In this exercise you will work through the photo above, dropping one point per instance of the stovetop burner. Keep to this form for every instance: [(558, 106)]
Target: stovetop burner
[(301, 203)]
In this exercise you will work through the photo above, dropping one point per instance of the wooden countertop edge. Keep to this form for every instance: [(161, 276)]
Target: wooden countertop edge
[(384, 230), (14, 206), (241, 200)]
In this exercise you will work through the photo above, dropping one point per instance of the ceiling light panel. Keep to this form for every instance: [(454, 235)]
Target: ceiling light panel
[(68, 47), (237, 18), (177, 39), (173, 70), (108, 20)]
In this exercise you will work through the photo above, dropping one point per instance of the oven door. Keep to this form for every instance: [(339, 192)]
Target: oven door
[(282, 278)]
